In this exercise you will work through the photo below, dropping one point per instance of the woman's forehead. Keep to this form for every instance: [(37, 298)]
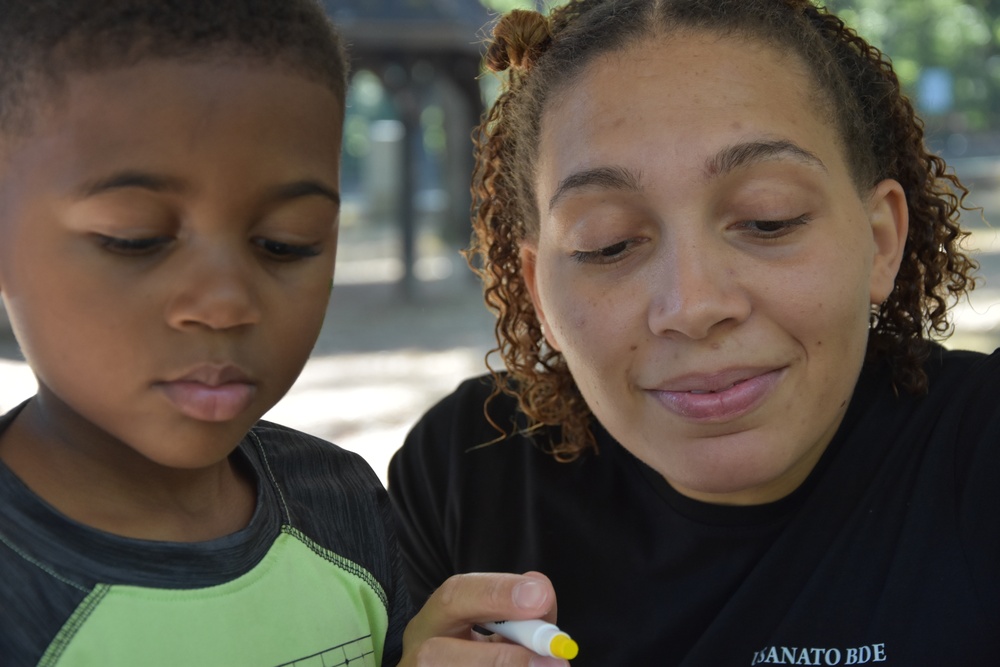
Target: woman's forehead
[(689, 63), (681, 101)]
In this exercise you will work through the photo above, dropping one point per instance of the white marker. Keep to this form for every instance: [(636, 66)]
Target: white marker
[(541, 637)]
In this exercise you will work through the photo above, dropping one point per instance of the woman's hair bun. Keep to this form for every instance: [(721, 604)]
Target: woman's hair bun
[(519, 37)]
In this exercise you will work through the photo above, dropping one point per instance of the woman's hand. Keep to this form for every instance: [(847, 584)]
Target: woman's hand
[(441, 633)]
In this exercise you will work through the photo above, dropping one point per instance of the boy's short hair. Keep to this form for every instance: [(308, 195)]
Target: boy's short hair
[(43, 40)]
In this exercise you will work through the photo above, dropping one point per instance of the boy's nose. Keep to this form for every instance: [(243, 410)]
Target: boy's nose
[(215, 291), (692, 292)]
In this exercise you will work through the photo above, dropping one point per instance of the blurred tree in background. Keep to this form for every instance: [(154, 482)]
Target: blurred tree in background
[(946, 53)]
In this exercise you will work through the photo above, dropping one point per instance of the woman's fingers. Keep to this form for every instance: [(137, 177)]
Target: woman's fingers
[(451, 652), (441, 633)]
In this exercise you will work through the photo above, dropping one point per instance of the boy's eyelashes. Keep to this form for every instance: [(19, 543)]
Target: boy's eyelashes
[(287, 251), (137, 247), (131, 246)]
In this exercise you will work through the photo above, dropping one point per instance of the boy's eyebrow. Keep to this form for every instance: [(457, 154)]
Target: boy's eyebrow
[(156, 183), (610, 178), (305, 188), (751, 152), (129, 179)]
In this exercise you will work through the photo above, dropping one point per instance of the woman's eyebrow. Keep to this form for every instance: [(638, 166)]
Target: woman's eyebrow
[(608, 178), (748, 153)]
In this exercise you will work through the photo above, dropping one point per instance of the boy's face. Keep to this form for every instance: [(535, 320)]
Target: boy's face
[(168, 240)]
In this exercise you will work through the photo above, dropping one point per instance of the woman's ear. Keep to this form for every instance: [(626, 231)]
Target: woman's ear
[(890, 222), (529, 257)]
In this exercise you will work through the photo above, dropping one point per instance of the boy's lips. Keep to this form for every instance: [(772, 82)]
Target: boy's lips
[(211, 393), (718, 397)]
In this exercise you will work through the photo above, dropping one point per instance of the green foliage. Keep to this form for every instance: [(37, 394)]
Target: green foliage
[(502, 6), (960, 36)]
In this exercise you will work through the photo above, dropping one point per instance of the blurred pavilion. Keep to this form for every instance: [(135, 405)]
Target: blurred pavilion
[(426, 54)]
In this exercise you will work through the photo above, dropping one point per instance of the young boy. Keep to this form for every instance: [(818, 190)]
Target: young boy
[(169, 177)]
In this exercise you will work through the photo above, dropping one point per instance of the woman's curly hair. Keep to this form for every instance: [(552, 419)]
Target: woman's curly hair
[(881, 134)]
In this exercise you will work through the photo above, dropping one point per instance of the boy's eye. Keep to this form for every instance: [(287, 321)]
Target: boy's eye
[(286, 252), (129, 246)]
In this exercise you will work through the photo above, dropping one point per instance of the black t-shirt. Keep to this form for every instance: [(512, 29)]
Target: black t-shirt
[(889, 552)]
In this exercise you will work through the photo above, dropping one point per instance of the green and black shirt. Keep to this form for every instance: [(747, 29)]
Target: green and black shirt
[(313, 580)]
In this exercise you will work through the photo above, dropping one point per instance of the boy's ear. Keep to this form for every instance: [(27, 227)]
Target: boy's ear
[(890, 222), (529, 257)]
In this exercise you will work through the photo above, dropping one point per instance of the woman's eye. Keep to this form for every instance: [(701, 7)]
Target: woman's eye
[(287, 252), (606, 255), (769, 229), (132, 246)]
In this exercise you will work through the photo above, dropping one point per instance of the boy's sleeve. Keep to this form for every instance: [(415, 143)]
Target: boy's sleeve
[(401, 609)]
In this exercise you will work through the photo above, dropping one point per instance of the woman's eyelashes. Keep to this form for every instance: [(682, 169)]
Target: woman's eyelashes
[(607, 254), (764, 229), (771, 229)]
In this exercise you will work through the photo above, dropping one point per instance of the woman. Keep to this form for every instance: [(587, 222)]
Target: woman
[(718, 251)]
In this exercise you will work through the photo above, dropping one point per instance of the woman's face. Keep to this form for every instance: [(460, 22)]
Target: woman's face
[(705, 262)]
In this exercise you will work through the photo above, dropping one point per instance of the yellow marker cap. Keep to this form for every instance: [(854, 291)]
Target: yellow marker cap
[(563, 647)]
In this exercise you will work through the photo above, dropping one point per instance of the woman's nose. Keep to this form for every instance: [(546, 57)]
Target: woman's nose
[(694, 290)]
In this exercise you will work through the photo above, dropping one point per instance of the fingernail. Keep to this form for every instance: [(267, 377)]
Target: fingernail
[(541, 661), (529, 595)]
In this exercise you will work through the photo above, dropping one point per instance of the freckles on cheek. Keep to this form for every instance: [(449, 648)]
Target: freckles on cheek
[(570, 318), (570, 329)]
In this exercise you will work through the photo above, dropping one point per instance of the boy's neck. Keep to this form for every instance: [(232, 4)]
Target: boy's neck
[(127, 496)]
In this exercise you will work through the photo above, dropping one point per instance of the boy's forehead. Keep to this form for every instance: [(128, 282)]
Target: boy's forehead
[(45, 92), (150, 113), (57, 36)]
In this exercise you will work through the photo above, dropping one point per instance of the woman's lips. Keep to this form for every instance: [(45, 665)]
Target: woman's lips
[(729, 402), (209, 403)]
